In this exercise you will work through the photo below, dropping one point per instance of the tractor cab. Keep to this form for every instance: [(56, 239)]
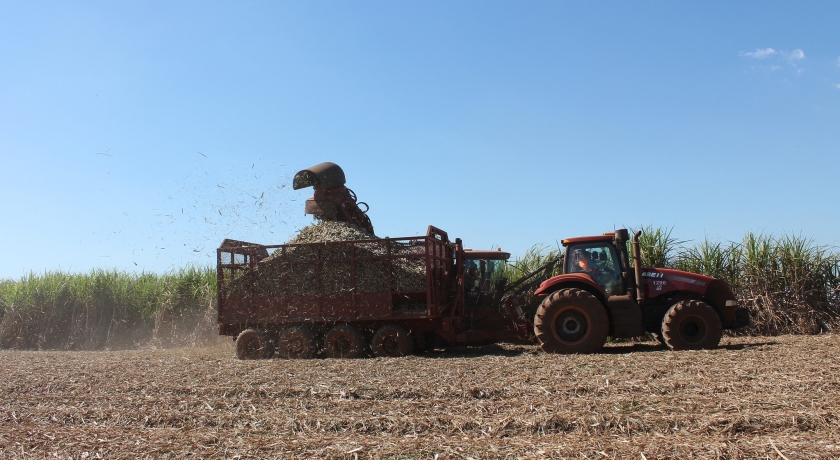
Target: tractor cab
[(483, 276), (598, 257)]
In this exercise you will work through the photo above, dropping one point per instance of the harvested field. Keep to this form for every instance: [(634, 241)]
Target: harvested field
[(756, 397)]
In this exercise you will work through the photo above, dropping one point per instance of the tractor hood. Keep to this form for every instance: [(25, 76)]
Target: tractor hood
[(659, 280)]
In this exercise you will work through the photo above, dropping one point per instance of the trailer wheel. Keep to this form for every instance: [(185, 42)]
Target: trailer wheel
[(571, 321), (251, 344), (344, 341), (269, 345), (296, 342), (392, 340), (691, 325)]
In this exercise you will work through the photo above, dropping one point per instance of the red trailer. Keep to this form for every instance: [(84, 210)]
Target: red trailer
[(416, 297)]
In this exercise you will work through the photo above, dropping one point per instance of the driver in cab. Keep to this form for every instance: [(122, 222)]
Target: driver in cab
[(587, 265), (599, 272)]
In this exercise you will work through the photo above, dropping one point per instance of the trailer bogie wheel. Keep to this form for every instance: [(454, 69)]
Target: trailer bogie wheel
[(269, 345), (691, 325), (571, 321), (392, 340), (344, 341), (252, 344), (296, 342)]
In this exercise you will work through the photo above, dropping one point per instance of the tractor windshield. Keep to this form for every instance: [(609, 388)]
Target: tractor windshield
[(481, 277), (600, 261)]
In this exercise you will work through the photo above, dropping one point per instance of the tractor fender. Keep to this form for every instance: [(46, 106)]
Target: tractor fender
[(571, 280)]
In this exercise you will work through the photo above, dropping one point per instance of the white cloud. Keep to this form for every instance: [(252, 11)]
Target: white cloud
[(759, 53), (794, 55), (838, 86)]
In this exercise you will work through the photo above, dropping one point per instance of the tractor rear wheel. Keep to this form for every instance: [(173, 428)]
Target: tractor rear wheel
[(691, 325), (571, 321), (296, 342), (344, 341), (252, 344), (392, 341)]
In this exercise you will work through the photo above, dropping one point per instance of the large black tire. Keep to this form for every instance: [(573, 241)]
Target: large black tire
[(344, 341), (691, 325), (392, 341), (571, 321), (296, 342), (253, 344)]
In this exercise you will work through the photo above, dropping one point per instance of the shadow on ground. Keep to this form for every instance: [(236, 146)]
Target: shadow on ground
[(653, 346), (518, 350)]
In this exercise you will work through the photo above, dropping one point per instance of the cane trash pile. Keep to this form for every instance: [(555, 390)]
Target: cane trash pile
[(300, 266)]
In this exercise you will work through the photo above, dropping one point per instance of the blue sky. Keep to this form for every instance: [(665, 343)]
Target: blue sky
[(138, 135)]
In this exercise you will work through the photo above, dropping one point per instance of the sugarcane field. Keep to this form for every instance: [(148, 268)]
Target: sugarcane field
[(88, 375), (461, 230)]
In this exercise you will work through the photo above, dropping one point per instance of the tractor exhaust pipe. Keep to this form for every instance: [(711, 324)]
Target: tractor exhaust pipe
[(637, 268)]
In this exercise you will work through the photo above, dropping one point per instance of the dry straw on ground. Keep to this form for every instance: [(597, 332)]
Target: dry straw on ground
[(752, 398)]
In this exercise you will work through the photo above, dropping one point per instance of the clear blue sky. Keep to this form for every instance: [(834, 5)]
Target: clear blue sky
[(137, 134)]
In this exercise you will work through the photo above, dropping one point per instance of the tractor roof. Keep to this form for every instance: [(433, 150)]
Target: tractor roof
[(589, 239)]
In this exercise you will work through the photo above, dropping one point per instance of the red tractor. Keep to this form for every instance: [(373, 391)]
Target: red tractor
[(601, 294)]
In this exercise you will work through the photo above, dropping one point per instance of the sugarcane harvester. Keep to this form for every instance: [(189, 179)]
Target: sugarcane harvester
[(332, 200), (390, 296)]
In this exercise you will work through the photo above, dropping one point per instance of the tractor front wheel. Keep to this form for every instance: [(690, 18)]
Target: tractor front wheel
[(296, 342), (571, 321), (691, 325)]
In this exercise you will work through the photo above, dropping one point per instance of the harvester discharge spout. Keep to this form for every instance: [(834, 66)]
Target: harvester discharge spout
[(332, 200)]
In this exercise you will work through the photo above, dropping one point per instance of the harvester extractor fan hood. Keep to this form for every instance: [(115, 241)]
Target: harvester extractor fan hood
[(332, 200), (326, 175)]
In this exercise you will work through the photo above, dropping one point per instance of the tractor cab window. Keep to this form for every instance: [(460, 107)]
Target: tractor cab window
[(600, 261), (481, 278)]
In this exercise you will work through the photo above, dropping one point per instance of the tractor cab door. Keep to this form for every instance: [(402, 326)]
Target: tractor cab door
[(600, 261)]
